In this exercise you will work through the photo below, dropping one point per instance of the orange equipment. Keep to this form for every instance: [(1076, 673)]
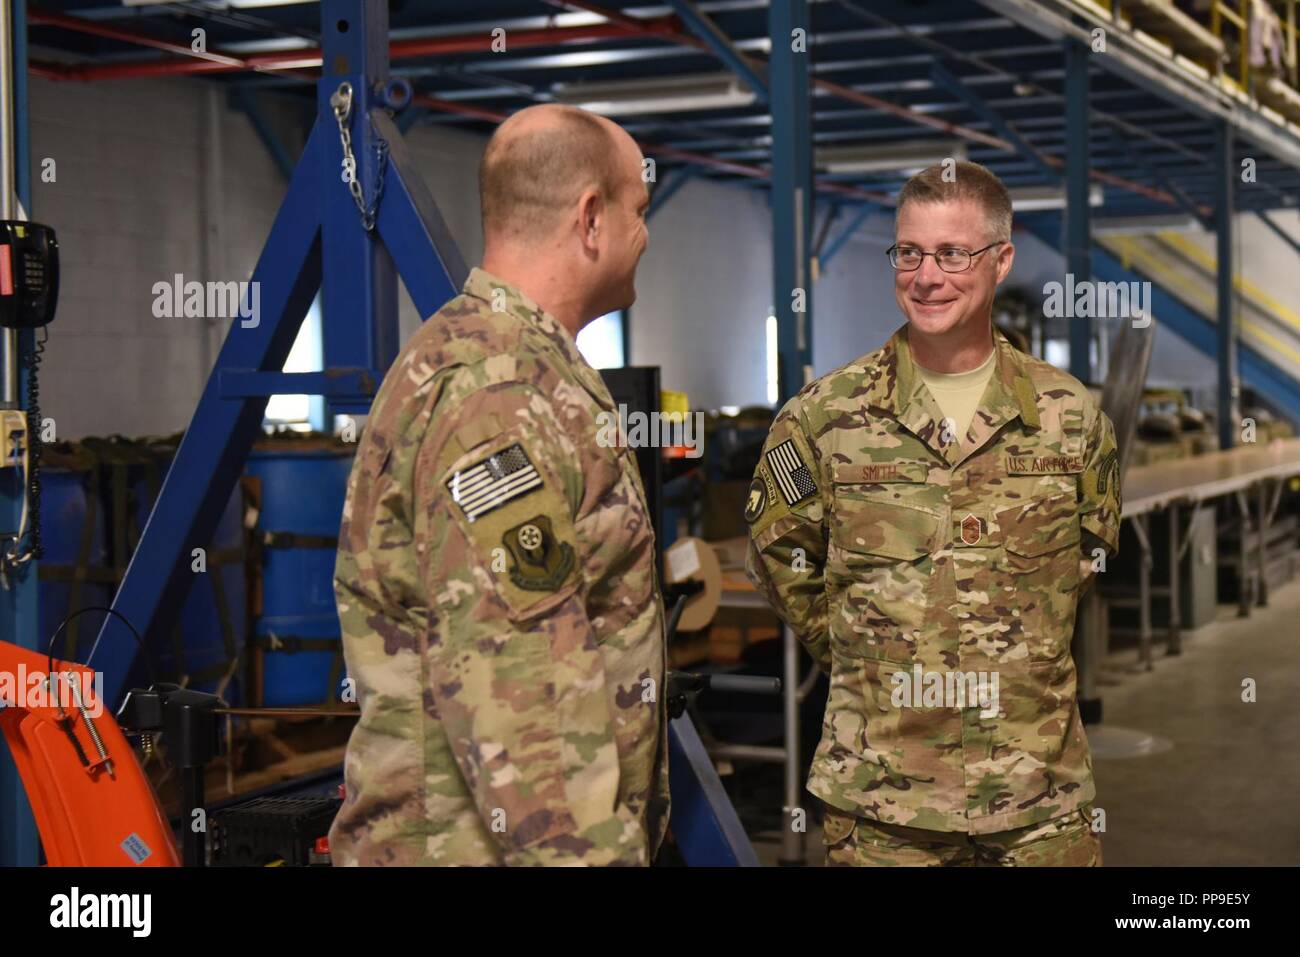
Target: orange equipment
[(93, 805)]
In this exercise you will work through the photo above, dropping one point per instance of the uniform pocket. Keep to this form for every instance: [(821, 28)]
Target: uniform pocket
[(878, 568), (837, 826), (1040, 572)]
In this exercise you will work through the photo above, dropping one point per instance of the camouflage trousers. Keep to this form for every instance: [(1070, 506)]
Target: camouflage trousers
[(1066, 841)]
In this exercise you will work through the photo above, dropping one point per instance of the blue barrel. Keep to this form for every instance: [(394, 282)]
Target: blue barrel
[(300, 501), (65, 497)]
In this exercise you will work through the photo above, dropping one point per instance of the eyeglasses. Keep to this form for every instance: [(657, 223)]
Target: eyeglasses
[(949, 258)]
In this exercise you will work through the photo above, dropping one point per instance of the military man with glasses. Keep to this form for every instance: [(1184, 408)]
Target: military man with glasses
[(925, 519)]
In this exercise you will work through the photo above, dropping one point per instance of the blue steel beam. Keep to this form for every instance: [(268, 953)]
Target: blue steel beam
[(1189, 205), (832, 249), (720, 44), (1225, 179), (408, 118), (410, 225), (823, 233), (1078, 229), (358, 276), (668, 188), (1282, 234), (216, 444), (792, 192), (941, 76), (246, 100), (704, 821), (19, 600)]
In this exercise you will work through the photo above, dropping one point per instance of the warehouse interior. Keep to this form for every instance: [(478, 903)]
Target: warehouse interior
[(1148, 145)]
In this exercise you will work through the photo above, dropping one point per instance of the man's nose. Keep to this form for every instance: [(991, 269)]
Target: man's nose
[(929, 274)]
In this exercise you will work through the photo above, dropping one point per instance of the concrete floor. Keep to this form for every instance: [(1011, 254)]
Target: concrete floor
[(1227, 793), (1221, 785)]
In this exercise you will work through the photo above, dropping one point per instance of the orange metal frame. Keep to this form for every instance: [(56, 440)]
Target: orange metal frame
[(101, 814)]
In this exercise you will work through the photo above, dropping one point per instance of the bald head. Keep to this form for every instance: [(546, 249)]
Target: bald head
[(538, 164)]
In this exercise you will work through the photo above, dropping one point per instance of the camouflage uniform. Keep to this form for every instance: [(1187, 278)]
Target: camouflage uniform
[(501, 615), (1065, 841), (887, 544)]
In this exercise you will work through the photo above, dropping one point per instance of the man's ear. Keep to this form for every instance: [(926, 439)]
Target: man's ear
[(1006, 257), (591, 218)]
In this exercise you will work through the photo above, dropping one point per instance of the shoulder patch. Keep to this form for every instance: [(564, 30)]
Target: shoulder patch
[(541, 563), (756, 501), (493, 481), (791, 472)]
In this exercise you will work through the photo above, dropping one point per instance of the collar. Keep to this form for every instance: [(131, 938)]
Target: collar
[(897, 388), (507, 298)]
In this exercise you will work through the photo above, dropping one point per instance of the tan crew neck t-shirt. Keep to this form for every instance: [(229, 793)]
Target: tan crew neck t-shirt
[(959, 393)]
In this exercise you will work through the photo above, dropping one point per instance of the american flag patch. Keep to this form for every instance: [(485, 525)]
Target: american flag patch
[(498, 479), (792, 476)]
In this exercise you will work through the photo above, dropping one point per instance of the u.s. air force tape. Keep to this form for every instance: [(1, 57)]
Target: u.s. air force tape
[(791, 473), (492, 482)]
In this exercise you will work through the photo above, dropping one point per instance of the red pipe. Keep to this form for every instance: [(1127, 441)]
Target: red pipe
[(80, 25), (214, 62)]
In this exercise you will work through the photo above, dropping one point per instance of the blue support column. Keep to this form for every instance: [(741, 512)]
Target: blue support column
[(355, 53), (1078, 233), (20, 601), (791, 192), (699, 23), (1225, 178)]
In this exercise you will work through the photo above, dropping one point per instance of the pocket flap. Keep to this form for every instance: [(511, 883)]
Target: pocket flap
[(1039, 527), (837, 825), (884, 528)]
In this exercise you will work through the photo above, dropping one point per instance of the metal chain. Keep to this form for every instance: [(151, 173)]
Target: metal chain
[(341, 102)]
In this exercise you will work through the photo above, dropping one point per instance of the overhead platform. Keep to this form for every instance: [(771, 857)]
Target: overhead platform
[(1161, 18)]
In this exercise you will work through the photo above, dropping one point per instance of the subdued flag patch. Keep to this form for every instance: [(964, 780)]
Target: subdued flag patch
[(491, 483), (791, 473)]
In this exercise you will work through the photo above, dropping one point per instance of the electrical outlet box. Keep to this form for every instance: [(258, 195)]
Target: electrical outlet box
[(13, 436)]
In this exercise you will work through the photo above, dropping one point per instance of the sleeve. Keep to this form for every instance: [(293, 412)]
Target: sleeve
[(1101, 505), (513, 671), (786, 558)]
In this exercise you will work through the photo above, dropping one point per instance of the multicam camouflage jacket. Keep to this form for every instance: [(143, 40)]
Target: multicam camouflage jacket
[(896, 550), (501, 616)]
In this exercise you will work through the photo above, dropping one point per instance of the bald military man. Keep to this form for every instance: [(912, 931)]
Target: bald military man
[(495, 577)]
